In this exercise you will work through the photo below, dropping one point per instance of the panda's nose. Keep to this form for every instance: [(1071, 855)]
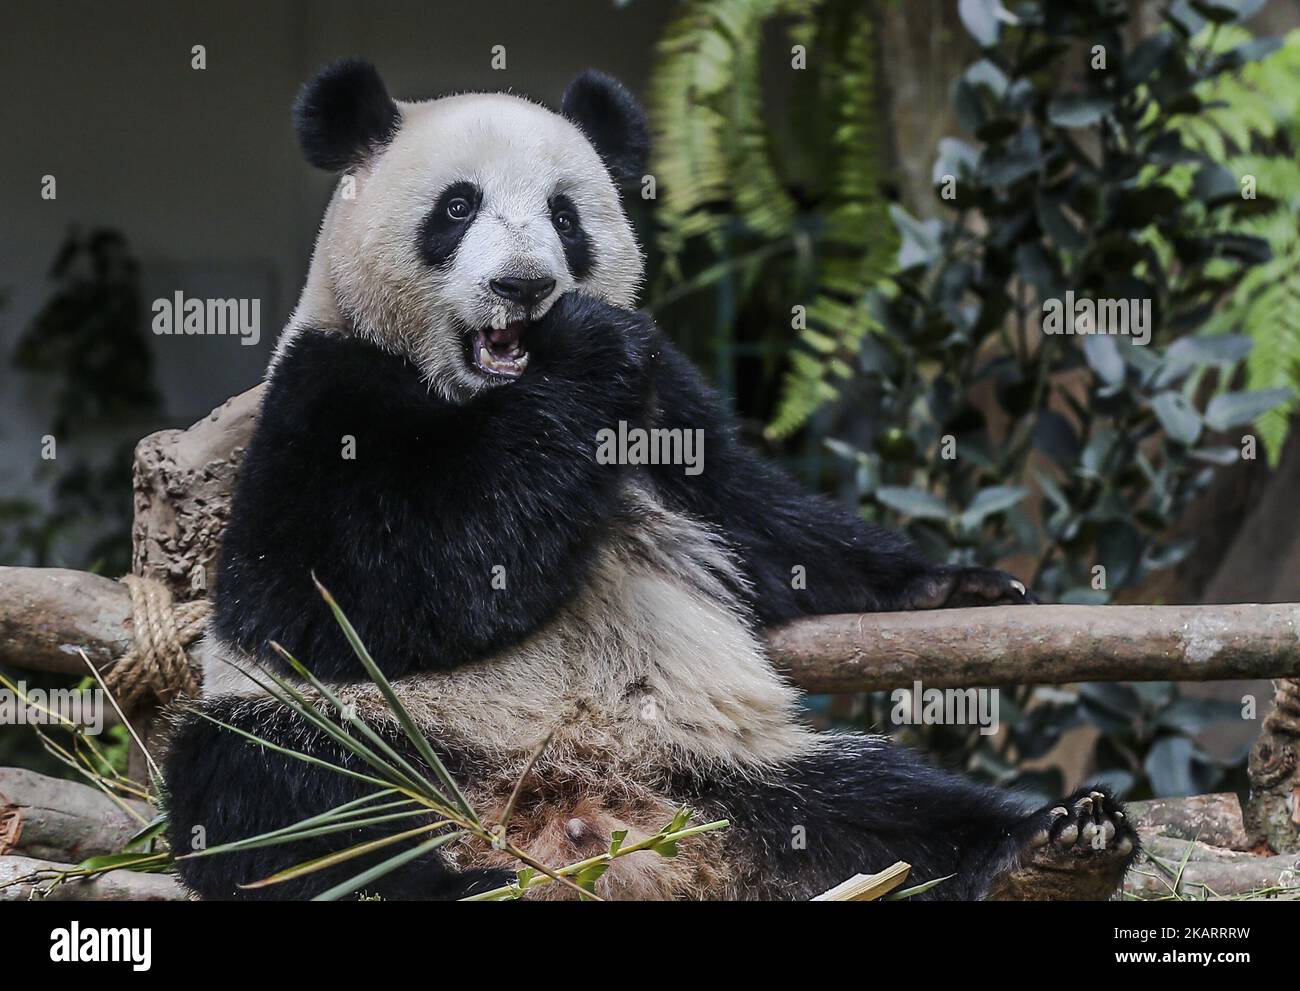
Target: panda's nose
[(526, 292)]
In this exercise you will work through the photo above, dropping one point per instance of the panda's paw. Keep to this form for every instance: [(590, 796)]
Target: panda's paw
[(954, 588), (587, 333), (1073, 850)]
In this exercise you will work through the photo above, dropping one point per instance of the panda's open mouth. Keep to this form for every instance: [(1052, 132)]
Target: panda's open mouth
[(499, 351)]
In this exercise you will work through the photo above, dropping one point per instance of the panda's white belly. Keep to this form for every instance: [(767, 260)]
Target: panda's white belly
[(653, 666)]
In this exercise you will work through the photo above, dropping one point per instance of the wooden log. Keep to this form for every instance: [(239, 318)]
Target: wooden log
[(1274, 771), (42, 614), (184, 481), (47, 613), (958, 648), (53, 819), (1196, 870), (1215, 820), (30, 879)]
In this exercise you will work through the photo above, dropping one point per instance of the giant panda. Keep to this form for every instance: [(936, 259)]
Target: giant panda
[(467, 328)]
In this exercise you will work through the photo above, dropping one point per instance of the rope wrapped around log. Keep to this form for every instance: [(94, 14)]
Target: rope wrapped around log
[(156, 666)]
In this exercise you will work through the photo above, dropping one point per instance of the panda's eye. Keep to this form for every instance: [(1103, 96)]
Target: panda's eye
[(564, 221), (459, 209)]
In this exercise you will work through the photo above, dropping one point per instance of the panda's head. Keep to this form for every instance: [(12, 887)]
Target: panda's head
[(460, 220)]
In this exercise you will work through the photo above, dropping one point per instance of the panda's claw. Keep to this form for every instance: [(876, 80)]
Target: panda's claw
[(1089, 847), (954, 588)]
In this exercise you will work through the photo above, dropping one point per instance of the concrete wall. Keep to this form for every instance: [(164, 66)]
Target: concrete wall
[(200, 170)]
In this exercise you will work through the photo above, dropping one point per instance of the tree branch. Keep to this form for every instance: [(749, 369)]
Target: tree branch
[(54, 819), (957, 648), (46, 612), (27, 879)]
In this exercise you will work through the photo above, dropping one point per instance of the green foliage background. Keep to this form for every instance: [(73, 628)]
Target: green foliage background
[(1115, 179)]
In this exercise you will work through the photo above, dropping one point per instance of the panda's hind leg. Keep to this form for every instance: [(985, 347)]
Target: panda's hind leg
[(222, 787), (858, 804)]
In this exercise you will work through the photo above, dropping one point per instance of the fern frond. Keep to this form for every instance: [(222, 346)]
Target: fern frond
[(713, 161), (858, 244), (1259, 107)]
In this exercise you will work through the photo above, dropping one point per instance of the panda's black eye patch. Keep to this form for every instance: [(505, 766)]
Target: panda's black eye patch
[(448, 221), (573, 238)]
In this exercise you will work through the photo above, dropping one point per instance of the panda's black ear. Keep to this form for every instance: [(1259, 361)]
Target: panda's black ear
[(344, 115), (613, 121)]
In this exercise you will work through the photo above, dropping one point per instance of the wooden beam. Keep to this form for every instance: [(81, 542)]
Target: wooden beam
[(55, 819), (26, 879), (45, 613), (1017, 645)]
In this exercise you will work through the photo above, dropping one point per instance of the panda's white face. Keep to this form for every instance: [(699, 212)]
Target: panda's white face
[(479, 212)]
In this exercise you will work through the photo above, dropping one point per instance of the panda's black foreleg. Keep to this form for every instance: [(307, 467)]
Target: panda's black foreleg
[(863, 804), (803, 555), (223, 787)]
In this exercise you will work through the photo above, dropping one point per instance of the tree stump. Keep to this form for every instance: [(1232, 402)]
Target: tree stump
[(1273, 814), (183, 482)]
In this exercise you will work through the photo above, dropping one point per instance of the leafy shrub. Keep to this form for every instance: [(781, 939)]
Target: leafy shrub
[(994, 437)]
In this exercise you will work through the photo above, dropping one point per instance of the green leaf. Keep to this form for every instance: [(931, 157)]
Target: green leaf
[(394, 703), (916, 889), (981, 19), (356, 883), (1215, 185), (666, 848), (1235, 409), (1226, 11), (1104, 358), (587, 877), (150, 831), (920, 244), (1169, 766), (1078, 110), (913, 502), (1178, 417), (679, 820), (116, 861), (994, 499), (616, 841)]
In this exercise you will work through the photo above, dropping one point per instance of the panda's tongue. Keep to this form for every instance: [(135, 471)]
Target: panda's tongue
[(498, 350), (505, 338)]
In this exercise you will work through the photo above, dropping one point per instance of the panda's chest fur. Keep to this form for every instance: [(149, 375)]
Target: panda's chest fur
[(651, 669)]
